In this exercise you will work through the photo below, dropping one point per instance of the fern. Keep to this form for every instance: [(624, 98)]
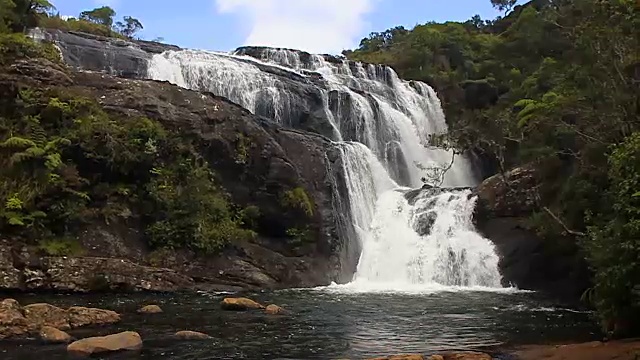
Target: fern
[(17, 143)]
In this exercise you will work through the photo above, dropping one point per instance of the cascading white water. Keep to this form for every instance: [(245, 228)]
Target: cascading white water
[(381, 125)]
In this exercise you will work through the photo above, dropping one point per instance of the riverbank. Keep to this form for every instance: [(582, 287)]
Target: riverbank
[(612, 350)]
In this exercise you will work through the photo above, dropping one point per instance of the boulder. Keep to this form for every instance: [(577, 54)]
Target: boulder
[(96, 345), (82, 316), (436, 357), (12, 320), (240, 304), (52, 335), (39, 315), (401, 357), (150, 309), (274, 310), (191, 335)]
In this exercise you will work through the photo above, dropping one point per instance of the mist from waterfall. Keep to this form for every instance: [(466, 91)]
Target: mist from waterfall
[(382, 127)]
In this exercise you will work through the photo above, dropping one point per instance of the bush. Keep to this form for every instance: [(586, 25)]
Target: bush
[(298, 199), (17, 45), (56, 22)]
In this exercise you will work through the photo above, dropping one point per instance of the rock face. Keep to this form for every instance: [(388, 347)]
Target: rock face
[(97, 345), (240, 304), (277, 160), (527, 261)]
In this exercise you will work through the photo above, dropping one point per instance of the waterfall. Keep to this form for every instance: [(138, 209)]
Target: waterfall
[(382, 126)]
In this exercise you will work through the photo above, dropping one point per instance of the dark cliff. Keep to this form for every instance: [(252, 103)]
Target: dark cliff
[(274, 160)]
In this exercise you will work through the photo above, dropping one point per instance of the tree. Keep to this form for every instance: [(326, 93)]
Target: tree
[(7, 8), (102, 15), (503, 5), (27, 13), (129, 27)]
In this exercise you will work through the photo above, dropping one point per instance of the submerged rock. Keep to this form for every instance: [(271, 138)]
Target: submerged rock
[(240, 304), (52, 335), (191, 335), (12, 320), (96, 345), (274, 310), (150, 309)]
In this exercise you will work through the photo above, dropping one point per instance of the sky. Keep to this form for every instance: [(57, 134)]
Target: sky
[(318, 26)]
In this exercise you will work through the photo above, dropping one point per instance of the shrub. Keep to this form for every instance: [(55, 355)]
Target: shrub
[(298, 199), (18, 45)]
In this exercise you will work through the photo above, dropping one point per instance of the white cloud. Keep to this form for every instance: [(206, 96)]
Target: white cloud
[(319, 26), (110, 3)]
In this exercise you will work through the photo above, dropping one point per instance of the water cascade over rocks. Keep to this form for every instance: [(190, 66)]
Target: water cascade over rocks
[(381, 126)]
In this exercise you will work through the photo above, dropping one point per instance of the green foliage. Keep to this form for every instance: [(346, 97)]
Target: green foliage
[(563, 76), (61, 247), (65, 163), (242, 149), (17, 45), (298, 199), (101, 16), (300, 236), (613, 244), (190, 211), (129, 26), (80, 25)]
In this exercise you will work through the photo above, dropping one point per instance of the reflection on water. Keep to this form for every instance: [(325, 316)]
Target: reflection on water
[(325, 324)]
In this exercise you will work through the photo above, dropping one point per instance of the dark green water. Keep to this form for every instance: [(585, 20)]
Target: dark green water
[(324, 325)]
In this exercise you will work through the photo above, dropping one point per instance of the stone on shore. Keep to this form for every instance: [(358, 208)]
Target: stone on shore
[(129, 340)]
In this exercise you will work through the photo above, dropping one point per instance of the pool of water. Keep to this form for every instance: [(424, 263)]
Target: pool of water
[(325, 323)]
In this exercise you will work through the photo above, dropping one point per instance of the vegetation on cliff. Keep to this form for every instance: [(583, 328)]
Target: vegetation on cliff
[(554, 83)]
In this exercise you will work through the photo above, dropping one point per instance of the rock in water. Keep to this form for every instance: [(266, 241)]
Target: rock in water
[(191, 335), (150, 309), (82, 316), (52, 335), (39, 315), (402, 357), (12, 320), (240, 304), (274, 310), (96, 345)]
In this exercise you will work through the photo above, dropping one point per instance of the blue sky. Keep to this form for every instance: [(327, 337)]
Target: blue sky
[(326, 26)]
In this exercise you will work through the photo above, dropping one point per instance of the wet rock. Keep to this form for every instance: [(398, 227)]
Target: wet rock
[(52, 335), (467, 356), (82, 316), (191, 335), (150, 309), (401, 357), (274, 310), (39, 315), (240, 304), (97, 345), (12, 320)]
